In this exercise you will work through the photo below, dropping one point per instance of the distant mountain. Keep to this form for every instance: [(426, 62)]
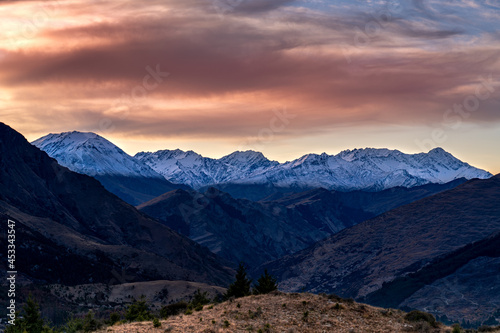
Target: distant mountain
[(357, 261), (249, 174), (72, 231), (237, 230), (197, 171), (93, 155), (257, 232), (246, 174)]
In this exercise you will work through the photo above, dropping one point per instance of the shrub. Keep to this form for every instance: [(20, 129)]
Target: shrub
[(338, 306), (200, 298), (173, 309), (416, 316), (334, 297), (156, 323), (456, 328), (423, 327), (138, 311), (90, 324), (74, 325), (255, 314), (114, 317)]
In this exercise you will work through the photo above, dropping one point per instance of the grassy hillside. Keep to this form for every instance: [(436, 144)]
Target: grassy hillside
[(289, 313)]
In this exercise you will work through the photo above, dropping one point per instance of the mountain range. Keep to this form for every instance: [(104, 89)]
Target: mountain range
[(359, 169), (249, 174)]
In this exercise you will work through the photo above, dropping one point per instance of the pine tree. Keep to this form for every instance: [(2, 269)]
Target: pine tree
[(31, 321), (241, 286), (90, 324), (265, 284)]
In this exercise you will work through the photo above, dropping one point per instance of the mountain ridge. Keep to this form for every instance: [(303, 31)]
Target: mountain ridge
[(358, 169), (369, 169)]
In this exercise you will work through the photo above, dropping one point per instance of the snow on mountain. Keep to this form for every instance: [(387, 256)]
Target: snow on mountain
[(247, 162), (93, 155), (368, 169), (197, 171)]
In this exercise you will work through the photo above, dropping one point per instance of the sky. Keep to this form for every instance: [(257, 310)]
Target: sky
[(278, 76)]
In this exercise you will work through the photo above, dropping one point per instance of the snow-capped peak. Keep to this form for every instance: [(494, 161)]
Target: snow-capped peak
[(247, 160), (440, 153), (91, 154), (367, 168), (242, 156)]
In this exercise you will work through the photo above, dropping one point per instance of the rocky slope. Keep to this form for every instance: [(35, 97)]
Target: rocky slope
[(93, 155)]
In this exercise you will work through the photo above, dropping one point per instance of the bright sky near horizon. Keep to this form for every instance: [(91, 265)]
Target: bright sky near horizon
[(283, 77)]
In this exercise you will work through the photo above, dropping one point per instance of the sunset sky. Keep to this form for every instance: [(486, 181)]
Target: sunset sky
[(282, 77)]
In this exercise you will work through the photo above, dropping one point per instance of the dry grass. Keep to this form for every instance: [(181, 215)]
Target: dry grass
[(283, 313)]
